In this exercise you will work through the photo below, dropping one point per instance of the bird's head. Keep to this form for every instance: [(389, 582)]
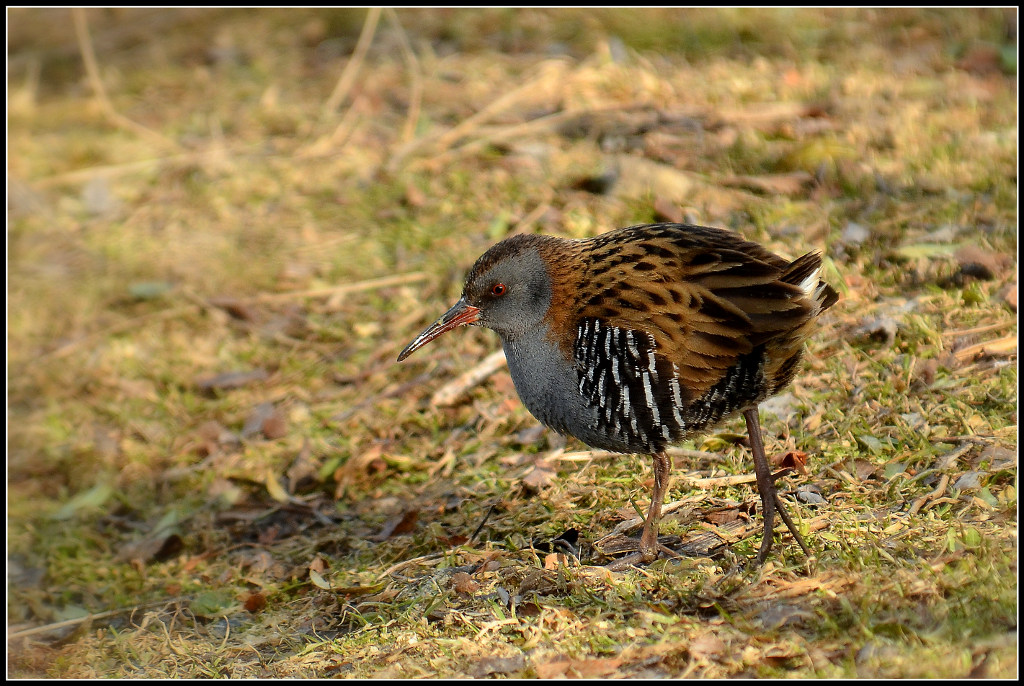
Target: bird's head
[(508, 290)]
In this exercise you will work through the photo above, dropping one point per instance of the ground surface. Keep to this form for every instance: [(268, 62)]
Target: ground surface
[(224, 225)]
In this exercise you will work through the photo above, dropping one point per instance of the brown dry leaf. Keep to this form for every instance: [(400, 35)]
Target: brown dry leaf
[(375, 593), (555, 560), (162, 546), (486, 666), (529, 609), (211, 431), (295, 276), (541, 476), (254, 422), (599, 574), (790, 183), (269, 534), (666, 210), (924, 373), (258, 562), (981, 60), (464, 583), (706, 647), (398, 525), (981, 263), (725, 516), (768, 113), (864, 469), (579, 669), (357, 467), (997, 458), (231, 380), (777, 615), (538, 582), (801, 587), (239, 309), (779, 656), (882, 329), (255, 602), (193, 561), (414, 197), (793, 459), (490, 563), (303, 468), (274, 426), (319, 564)]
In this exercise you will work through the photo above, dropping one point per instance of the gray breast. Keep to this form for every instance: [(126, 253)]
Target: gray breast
[(549, 386)]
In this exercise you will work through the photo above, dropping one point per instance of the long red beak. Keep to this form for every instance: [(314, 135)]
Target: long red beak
[(462, 313)]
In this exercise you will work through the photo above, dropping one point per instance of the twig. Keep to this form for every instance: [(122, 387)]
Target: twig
[(937, 493), (451, 393), (550, 72), (67, 348), (334, 292), (980, 329), (983, 440), (90, 617), (693, 454), (332, 142), (92, 71), (714, 482), (114, 170), (501, 133), (407, 563), (441, 142), (483, 521), (628, 524), (344, 289), (533, 215), (780, 507), (583, 455), (390, 392), (105, 171), (949, 459), (1000, 346), (348, 76), (416, 85)]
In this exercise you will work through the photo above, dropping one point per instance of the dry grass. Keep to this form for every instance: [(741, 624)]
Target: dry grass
[(224, 225)]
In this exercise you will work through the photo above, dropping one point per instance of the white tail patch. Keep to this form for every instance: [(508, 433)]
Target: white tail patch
[(810, 285)]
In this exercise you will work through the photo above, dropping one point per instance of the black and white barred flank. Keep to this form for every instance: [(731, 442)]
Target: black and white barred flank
[(637, 393)]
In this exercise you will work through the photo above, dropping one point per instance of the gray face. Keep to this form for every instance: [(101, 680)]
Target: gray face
[(513, 295)]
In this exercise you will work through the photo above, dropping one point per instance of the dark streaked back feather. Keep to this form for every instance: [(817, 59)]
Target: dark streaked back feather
[(715, 323)]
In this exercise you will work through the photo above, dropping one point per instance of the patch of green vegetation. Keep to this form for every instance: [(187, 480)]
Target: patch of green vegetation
[(216, 467)]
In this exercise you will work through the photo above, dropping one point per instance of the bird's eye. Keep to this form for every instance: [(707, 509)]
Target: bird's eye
[(498, 289)]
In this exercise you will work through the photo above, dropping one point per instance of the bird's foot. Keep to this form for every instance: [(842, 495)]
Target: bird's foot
[(640, 557)]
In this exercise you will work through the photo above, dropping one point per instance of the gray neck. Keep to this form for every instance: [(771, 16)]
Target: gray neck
[(548, 385)]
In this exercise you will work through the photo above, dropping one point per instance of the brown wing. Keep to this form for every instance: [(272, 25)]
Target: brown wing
[(705, 297)]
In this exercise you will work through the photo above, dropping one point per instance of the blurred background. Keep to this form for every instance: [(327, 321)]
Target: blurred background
[(224, 224)]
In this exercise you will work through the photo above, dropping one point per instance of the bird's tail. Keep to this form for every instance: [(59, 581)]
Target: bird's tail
[(805, 272)]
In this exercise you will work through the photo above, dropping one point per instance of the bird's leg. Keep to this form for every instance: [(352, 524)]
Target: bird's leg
[(649, 546), (770, 500), (765, 485), (791, 526), (649, 538)]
